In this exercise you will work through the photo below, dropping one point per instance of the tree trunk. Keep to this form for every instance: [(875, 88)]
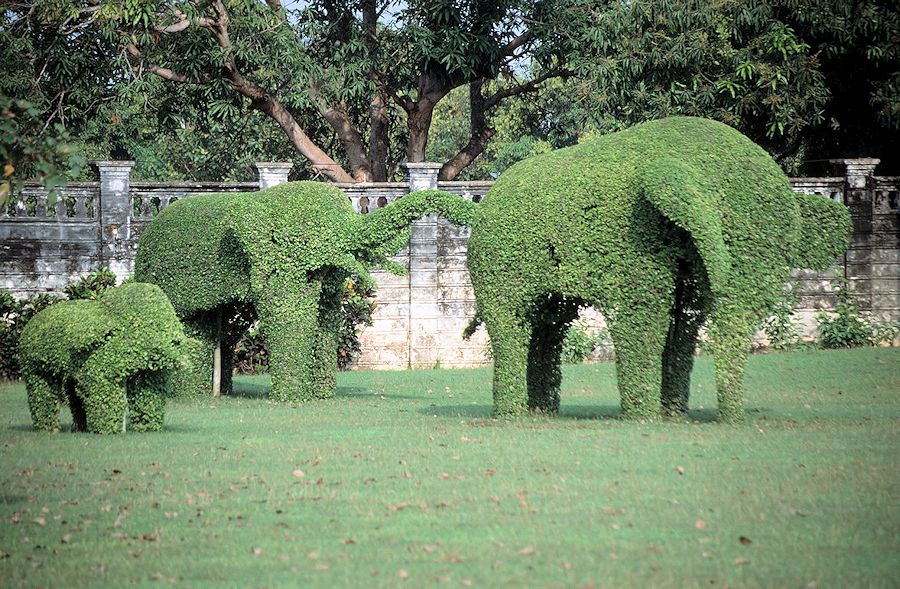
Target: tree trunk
[(480, 132), (318, 159), (431, 89), (378, 138)]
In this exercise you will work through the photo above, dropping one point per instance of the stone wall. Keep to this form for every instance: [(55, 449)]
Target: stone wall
[(421, 315)]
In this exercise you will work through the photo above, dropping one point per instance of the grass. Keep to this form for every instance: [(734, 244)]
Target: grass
[(404, 480)]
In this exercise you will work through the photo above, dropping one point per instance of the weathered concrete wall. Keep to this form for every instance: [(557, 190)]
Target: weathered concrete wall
[(420, 315)]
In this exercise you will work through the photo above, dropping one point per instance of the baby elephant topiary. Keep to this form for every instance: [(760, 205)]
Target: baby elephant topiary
[(111, 359)]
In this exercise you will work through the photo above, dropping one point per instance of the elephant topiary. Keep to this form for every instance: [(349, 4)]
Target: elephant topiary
[(662, 227), (110, 359), (281, 255)]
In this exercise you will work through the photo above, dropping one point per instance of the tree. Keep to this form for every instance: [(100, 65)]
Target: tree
[(29, 148), (811, 79), (359, 68), (352, 85)]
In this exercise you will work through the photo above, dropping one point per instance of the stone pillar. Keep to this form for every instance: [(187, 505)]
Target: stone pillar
[(115, 206), (421, 176), (424, 313), (270, 174), (859, 191), (875, 234), (860, 172)]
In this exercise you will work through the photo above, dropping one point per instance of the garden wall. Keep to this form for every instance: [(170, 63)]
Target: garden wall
[(420, 316)]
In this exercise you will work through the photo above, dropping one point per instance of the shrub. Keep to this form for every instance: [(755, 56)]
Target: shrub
[(109, 358), (251, 355), (581, 343), (849, 327), (92, 285), (283, 255), (15, 314), (357, 306), (780, 329), (661, 227)]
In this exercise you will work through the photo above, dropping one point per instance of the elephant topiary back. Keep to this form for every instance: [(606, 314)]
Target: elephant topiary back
[(661, 226)]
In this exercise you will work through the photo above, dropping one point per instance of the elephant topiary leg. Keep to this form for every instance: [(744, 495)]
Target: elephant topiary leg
[(688, 315), (194, 377), (544, 372), (76, 406), (730, 335), (510, 339), (147, 393), (43, 403), (639, 338), (289, 315), (103, 393), (326, 342)]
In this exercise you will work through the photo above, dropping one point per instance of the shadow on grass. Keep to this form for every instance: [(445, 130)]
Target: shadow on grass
[(27, 427), (246, 390), (12, 499), (567, 412)]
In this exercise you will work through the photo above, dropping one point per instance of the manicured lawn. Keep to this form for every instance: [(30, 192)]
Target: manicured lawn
[(404, 480)]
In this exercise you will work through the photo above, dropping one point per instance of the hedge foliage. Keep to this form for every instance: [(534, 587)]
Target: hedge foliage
[(109, 358), (662, 227), (16, 313), (281, 255)]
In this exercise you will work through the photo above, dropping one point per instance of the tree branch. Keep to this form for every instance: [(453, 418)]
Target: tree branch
[(259, 98), (480, 132), (163, 72), (529, 86), (510, 48)]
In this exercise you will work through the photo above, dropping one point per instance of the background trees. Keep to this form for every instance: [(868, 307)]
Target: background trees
[(351, 88)]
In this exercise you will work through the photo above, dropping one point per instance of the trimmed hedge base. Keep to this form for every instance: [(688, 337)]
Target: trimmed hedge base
[(661, 227), (110, 359)]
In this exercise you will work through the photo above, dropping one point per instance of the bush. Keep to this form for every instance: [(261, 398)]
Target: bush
[(780, 329), (251, 355), (580, 344), (285, 253), (660, 227), (357, 307), (849, 327), (110, 359), (15, 314), (91, 286)]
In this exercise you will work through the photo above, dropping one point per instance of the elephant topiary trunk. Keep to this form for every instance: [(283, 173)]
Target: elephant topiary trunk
[(281, 255), (664, 227)]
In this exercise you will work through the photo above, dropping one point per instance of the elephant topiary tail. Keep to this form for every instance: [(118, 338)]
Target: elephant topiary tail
[(677, 192)]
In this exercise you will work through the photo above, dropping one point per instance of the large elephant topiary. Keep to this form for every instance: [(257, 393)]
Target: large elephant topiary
[(281, 255), (662, 227), (110, 359)]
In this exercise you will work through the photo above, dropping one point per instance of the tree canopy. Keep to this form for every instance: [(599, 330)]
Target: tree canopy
[(198, 88)]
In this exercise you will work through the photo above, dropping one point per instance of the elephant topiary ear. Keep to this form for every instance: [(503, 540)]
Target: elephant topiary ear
[(824, 232), (677, 191)]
